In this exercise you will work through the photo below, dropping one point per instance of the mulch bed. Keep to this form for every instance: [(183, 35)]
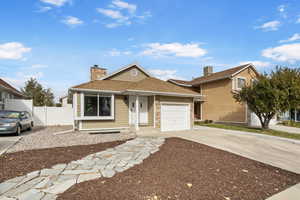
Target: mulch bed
[(23, 162), (186, 170)]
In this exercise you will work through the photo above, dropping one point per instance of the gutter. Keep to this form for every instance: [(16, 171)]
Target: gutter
[(94, 90), (137, 91)]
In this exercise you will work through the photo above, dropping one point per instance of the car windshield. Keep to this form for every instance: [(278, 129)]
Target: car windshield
[(9, 114)]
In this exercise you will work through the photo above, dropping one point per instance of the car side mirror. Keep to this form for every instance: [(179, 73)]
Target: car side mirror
[(22, 116)]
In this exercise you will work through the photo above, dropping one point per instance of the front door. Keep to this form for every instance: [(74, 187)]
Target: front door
[(143, 110)]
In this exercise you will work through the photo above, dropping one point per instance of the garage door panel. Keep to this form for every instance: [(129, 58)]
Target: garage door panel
[(175, 117)]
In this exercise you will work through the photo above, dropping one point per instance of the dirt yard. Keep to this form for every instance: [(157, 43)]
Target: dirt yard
[(186, 170)]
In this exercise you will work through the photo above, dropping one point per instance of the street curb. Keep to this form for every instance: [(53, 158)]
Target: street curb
[(63, 132), (232, 132)]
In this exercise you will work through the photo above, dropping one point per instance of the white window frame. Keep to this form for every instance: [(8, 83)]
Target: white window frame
[(237, 82), (112, 117)]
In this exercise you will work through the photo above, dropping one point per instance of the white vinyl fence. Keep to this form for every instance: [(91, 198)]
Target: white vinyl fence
[(43, 116), (19, 105), (254, 121)]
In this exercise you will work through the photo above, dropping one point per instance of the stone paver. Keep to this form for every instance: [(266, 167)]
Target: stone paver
[(46, 184)]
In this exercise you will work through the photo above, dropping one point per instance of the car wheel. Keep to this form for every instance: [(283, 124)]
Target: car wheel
[(18, 132), (30, 127)]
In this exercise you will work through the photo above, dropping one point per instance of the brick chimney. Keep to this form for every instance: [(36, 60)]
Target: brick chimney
[(207, 70), (97, 72)]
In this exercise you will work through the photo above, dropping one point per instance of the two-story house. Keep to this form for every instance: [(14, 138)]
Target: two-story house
[(217, 89)]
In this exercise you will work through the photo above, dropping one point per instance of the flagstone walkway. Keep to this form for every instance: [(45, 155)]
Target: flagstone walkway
[(46, 184)]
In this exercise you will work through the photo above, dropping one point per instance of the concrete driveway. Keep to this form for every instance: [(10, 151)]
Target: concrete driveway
[(7, 141), (280, 153)]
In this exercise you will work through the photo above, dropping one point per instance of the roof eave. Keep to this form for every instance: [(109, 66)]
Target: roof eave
[(12, 91), (140, 92), (95, 90), (202, 82), (162, 93), (180, 84)]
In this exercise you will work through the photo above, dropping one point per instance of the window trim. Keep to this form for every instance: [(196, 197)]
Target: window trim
[(112, 117), (237, 82)]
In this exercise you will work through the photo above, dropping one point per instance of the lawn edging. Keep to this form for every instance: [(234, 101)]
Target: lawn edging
[(249, 133), (290, 193)]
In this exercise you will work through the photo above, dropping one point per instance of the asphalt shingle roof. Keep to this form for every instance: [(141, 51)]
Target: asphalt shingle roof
[(149, 84)]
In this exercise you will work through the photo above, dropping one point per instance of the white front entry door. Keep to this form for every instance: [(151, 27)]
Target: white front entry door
[(175, 117), (143, 110)]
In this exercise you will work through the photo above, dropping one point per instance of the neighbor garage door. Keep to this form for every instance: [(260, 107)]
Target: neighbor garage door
[(175, 117)]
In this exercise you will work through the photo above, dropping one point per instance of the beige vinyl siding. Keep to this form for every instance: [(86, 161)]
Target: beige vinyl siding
[(219, 103), (121, 117), (169, 99), (127, 75)]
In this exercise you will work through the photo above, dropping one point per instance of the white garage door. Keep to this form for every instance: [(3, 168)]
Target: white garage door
[(175, 117)]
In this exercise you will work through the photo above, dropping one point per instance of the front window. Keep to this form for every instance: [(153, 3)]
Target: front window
[(241, 82), (9, 114), (98, 105)]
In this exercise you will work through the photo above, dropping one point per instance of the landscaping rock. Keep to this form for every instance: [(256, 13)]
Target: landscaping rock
[(47, 183)]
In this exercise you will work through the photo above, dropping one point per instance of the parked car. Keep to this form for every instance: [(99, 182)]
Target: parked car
[(14, 122)]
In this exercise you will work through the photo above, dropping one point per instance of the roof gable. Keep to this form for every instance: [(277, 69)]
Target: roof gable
[(127, 74), (229, 73)]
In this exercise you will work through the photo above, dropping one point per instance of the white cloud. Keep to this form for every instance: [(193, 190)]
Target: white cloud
[(44, 9), (294, 37), (282, 10), (114, 14), (256, 63), (38, 66), (174, 49), (165, 74), (13, 50), (117, 12), (26, 76), (123, 5), (270, 26), (115, 52), (72, 21), (284, 53), (55, 2)]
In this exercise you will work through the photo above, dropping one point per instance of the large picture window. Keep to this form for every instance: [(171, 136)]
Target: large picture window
[(98, 106)]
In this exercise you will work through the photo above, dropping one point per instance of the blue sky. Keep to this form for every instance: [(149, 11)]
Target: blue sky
[(57, 41)]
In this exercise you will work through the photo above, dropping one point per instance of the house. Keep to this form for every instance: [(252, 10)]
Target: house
[(8, 92), (217, 89), (130, 98)]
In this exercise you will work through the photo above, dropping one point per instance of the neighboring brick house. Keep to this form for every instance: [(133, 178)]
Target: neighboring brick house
[(8, 92), (131, 98), (217, 89)]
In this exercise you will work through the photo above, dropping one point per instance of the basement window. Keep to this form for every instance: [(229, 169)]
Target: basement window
[(98, 106)]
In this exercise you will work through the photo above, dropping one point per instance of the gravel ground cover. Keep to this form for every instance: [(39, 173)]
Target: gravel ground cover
[(41, 138), (22, 162), (49, 182), (188, 170)]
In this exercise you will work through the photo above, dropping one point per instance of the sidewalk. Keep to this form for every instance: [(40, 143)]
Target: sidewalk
[(286, 129)]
